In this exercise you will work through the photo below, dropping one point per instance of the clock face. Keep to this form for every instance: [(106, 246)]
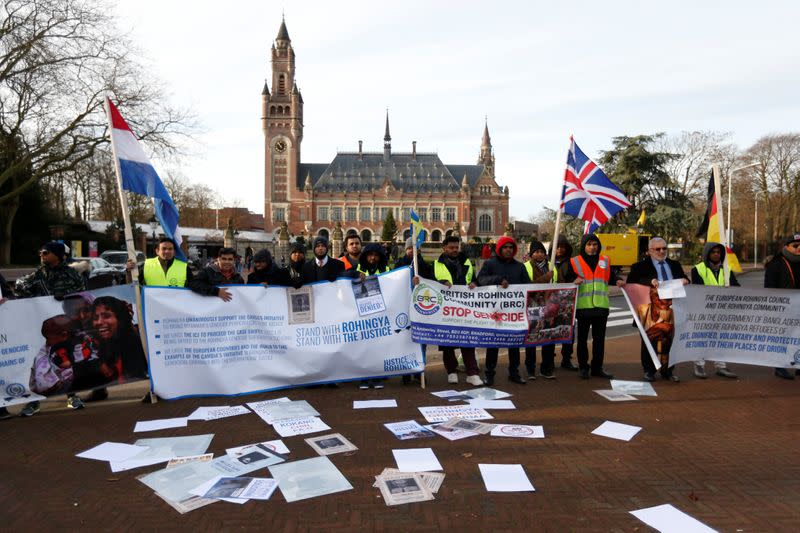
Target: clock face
[(280, 146)]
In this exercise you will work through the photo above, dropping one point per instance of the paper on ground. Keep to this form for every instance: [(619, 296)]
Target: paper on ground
[(485, 393), (204, 487), (408, 429), (260, 408), (282, 410), (200, 412), (669, 289), (637, 388), (112, 451), (308, 478), (163, 423), (505, 478), (178, 461), (215, 413), (615, 396), (615, 430), (400, 488), (516, 430), (443, 413), (373, 404), (161, 450), (492, 404), (416, 460), (276, 446), (668, 519), (432, 480), (451, 434), (446, 393), (299, 426)]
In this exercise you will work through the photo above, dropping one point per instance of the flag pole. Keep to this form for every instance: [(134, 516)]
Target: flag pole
[(123, 200), (554, 241), (724, 237), (416, 273)]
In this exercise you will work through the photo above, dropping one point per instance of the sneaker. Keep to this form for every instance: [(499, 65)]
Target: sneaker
[(377, 383), (489, 380), (584, 373), (783, 373), (73, 402), (650, 376), (516, 379), (568, 365), (364, 385), (602, 374), (475, 380), (700, 371), (30, 409), (675, 379), (452, 378), (98, 395), (725, 373), (4, 414), (547, 374)]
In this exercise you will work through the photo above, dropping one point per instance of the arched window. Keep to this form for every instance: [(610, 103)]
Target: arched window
[(366, 235), (272, 110), (323, 233), (282, 84), (436, 236), (485, 223), (287, 110)]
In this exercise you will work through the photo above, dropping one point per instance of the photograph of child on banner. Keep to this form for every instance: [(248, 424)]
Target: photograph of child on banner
[(551, 313), (658, 322)]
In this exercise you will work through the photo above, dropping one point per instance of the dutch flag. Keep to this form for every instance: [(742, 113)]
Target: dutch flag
[(139, 176)]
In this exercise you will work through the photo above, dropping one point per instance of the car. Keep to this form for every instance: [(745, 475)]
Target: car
[(118, 258), (98, 272)]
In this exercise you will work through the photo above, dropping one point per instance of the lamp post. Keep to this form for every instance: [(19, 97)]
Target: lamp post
[(755, 236), (730, 177), (153, 225)]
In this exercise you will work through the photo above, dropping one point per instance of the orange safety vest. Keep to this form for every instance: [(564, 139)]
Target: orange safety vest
[(593, 292)]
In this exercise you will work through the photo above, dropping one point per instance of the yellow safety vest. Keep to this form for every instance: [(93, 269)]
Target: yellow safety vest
[(708, 275), (385, 269), (154, 275), (440, 271), (529, 268), (593, 292)]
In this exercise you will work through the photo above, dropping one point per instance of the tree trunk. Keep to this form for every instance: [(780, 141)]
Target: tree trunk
[(8, 211)]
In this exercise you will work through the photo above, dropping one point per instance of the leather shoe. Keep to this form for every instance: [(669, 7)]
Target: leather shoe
[(584, 373), (569, 366), (783, 373), (517, 379), (602, 374), (675, 379), (489, 380), (649, 376)]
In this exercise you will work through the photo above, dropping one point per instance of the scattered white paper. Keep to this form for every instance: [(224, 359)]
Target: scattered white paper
[(161, 450), (202, 489), (615, 430), (215, 413), (260, 408), (670, 289), (408, 429), (636, 388), (451, 434), (178, 461), (308, 478), (516, 430), (447, 393), (416, 460), (163, 423), (283, 410), (370, 404), (492, 404), (505, 478), (668, 519), (289, 427), (276, 446), (615, 396), (443, 413), (112, 451), (200, 412), (485, 393)]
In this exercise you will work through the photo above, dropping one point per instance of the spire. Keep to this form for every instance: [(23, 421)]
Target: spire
[(486, 158), (283, 35), (387, 140), (265, 91), (486, 141)]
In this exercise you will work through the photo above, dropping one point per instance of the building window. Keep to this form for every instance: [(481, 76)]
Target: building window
[(436, 235), (351, 214), (436, 214), (423, 214), (279, 214), (406, 214), (336, 214), (365, 214), (302, 213), (485, 223), (450, 214), (384, 212), (322, 213)]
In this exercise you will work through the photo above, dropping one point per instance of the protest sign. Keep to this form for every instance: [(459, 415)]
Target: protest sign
[(521, 315), (49, 347), (206, 346)]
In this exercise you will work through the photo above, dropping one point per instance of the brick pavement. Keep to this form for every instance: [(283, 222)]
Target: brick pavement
[(724, 451)]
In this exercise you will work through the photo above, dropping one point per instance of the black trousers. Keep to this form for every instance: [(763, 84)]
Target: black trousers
[(594, 320), (549, 357), (649, 367), (513, 361)]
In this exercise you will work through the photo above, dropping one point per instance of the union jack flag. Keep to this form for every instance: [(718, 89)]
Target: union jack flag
[(588, 194)]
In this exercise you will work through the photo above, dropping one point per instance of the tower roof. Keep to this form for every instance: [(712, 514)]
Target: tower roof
[(486, 141), (283, 34), (386, 136)]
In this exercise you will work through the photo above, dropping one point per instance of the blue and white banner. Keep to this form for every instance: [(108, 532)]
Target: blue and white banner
[(521, 315), (276, 337)]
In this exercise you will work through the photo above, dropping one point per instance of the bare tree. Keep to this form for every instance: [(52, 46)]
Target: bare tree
[(694, 152)]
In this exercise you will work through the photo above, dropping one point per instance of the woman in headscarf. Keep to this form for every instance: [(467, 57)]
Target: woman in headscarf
[(119, 347)]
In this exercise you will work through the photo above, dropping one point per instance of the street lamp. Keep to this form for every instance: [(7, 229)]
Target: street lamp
[(730, 177), (153, 225)]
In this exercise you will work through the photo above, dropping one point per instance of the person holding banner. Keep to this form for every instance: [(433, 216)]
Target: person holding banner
[(454, 268), (540, 270), (503, 270), (560, 268), (164, 270), (208, 281), (266, 273), (352, 254), (322, 267), (711, 272), (591, 271), (650, 271), (783, 272), (372, 261)]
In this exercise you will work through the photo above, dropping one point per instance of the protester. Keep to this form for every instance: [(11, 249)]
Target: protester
[(650, 271), (54, 277), (372, 261), (164, 270), (560, 269), (710, 272), (539, 271), (352, 247), (207, 282), (453, 268), (297, 258), (783, 272), (591, 271), (322, 267), (408, 260), (119, 347), (503, 270), (266, 272)]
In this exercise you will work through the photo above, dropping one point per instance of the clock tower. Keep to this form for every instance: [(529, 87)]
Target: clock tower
[(282, 124)]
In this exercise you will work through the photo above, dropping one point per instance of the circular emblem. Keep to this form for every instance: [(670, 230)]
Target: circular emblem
[(426, 299), (516, 431), (401, 320), (796, 358), (15, 389), (602, 263), (280, 146)]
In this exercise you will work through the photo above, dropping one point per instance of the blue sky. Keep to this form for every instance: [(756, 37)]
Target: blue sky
[(538, 71)]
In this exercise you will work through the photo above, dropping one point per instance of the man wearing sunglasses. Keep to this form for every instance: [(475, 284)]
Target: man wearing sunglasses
[(655, 268)]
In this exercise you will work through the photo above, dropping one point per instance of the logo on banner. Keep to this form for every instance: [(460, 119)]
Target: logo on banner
[(402, 322), (796, 358), (405, 362), (427, 300)]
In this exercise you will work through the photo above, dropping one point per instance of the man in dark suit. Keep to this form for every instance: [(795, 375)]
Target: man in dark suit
[(322, 267), (650, 271)]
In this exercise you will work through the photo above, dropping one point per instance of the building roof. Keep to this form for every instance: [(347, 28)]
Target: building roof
[(351, 171), (190, 234)]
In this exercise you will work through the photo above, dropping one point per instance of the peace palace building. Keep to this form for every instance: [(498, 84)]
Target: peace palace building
[(358, 189)]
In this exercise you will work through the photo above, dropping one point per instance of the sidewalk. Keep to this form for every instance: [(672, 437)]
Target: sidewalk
[(724, 451)]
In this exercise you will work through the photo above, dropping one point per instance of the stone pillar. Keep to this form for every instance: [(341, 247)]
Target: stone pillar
[(509, 230), (456, 230), (228, 236), (336, 240), (283, 244)]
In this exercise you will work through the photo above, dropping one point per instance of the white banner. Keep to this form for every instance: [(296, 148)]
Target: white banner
[(737, 325), (277, 337)]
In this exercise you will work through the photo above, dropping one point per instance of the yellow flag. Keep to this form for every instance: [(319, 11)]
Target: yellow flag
[(642, 219)]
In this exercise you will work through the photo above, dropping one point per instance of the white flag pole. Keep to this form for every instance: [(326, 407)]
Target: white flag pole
[(554, 241), (723, 235), (123, 200)]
